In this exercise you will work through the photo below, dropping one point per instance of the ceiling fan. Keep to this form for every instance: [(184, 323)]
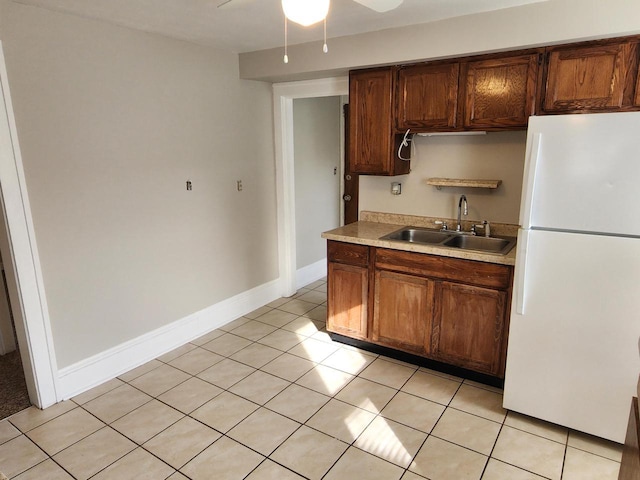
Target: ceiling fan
[(310, 12)]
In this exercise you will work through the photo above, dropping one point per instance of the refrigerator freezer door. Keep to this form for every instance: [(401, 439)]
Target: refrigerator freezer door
[(582, 173), (573, 356)]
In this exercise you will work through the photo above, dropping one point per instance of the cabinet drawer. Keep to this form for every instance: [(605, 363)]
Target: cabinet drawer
[(467, 271), (349, 253)]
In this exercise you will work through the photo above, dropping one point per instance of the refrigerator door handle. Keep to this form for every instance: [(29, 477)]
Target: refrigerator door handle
[(521, 270), (528, 189)]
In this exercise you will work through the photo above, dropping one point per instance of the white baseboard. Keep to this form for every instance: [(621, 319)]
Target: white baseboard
[(93, 371), (311, 273)]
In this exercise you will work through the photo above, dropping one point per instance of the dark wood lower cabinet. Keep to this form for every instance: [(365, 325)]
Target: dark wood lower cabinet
[(402, 311), (348, 288), (468, 326), (449, 310), (630, 464)]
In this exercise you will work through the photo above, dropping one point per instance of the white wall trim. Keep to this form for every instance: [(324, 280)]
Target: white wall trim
[(22, 263), (93, 371), (311, 273), (283, 96)]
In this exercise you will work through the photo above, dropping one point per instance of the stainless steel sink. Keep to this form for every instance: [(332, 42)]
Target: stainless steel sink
[(481, 244), (428, 236), (418, 235)]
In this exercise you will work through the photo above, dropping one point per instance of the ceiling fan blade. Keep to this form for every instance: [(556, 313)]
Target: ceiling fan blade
[(225, 4), (380, 5)]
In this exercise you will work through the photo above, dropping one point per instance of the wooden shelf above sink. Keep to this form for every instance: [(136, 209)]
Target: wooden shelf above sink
[(463, 182)]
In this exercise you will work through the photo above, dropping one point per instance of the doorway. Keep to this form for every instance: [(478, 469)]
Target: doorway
[(318, 157), (14, 395), (21, 262), (283, 97)]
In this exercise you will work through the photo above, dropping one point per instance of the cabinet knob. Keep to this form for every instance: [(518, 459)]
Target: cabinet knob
[(346, 198)]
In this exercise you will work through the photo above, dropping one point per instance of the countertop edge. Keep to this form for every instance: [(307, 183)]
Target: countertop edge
[(369, 233)]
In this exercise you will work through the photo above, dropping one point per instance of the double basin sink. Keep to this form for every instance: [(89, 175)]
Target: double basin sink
[(426, 236)]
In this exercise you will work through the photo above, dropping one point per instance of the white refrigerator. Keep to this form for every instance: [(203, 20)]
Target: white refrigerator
[(575, 321)]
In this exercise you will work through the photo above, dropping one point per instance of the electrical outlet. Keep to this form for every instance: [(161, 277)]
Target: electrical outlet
[(189, 185), (239, 185)]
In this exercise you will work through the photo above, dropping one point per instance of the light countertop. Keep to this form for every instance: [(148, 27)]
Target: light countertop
[(374, 225)]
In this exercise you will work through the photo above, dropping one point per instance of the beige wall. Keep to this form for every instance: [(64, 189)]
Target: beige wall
[(112, 122), (554, 21), (498, 155), (316, 130)]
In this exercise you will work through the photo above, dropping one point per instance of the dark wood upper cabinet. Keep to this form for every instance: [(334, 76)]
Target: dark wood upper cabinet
[(590, 77), (500, 93), (427, 97), (372, 143), (489, 92)]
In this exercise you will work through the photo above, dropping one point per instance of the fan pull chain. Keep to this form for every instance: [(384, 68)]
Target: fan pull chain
[(325, 48), (286, 57)]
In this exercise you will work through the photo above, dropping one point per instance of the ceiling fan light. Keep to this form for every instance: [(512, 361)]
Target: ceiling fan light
[(305, 12)]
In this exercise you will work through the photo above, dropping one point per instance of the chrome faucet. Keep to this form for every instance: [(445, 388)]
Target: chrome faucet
[(463, 201)]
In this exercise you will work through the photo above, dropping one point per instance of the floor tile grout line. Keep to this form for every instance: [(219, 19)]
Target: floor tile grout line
[(333, 396), (43, 423), (135, 442), (329, 400), (507, 463), (564, 458), (418, 450), (591, 453), (537, 475), (544, 438), (245, 417), (277, 463), (183, 465), (38, 447)]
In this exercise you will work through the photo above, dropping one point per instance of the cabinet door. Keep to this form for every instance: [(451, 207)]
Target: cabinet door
[(402, 311), (588, 78), (347, 293), (370, 127), (500, 93), (630, 463), (427, 97), (468, 327)]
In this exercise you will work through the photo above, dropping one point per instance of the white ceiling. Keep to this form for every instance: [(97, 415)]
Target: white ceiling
[(247, 25)]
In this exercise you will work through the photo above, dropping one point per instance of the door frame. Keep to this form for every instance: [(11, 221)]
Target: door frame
[(22, 263), (283, 96)]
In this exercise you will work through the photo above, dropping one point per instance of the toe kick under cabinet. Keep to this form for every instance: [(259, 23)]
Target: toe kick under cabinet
[(446, 309)]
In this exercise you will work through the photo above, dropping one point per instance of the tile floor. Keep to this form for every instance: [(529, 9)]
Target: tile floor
[(270, 396)]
